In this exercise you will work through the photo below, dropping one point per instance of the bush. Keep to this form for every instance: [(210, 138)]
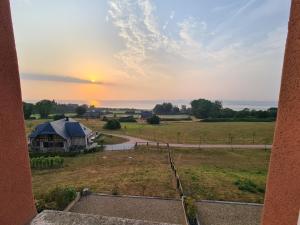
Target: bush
[(40, 205), (58, 198), (115, 190), (112, 125), (191, 210), (128, 119), (53, 154), (46, 162), (58, 117), (249, 186), (153, 120)]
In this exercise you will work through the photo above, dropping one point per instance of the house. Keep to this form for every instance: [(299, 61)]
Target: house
[(62, 135), (92, 114), (146, 114)]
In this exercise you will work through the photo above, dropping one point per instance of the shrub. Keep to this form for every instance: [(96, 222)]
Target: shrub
[(46, 162), (58, 117), (112, 125), (248, 185), (191, 210), (58, 198), (115, 190), (53, 154), (153, 120), (40, 205), (128, 119)]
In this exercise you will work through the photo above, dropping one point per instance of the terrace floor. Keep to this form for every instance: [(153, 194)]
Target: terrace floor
[(138, 208), (227, 213)]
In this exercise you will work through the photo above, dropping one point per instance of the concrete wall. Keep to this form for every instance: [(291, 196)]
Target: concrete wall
[(282, 200), (16, 200)]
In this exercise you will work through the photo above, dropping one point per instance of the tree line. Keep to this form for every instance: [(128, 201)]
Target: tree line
[(46, 107), (214, 111)]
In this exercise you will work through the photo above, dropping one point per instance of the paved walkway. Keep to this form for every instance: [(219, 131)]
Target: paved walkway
[(138, 208), (132, 140)]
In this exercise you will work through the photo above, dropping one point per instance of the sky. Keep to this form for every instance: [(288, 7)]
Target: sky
[(99, 50)]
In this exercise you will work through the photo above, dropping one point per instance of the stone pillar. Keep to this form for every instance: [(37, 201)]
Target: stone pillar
[(16, 200), (282, 200)]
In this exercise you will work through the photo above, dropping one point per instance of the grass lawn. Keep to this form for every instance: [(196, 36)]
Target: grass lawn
[(129, 173), (205, 133), (110, 139), (214, 174)]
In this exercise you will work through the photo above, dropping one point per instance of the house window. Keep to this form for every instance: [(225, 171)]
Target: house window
[(59, 144), (46, 144)]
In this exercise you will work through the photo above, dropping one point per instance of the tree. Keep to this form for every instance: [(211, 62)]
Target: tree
[(243, 113), (44, 108), (27, 110), (112, 125), (272, 112), (80, 110), (165, 109), (203, 108), (227, 113), (153, 120)]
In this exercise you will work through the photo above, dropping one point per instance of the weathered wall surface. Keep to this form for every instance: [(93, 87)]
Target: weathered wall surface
[(16, 201), (282, 201)]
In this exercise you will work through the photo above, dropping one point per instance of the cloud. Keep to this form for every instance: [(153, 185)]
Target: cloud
[(194, 45), (171, 17), (140, 32), (57, 78)]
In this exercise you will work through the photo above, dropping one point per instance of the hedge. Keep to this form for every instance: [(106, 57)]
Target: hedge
[(46, 162)]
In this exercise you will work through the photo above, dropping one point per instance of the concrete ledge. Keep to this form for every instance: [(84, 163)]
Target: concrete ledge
[(67, 209), (137, 196), (48, 217)]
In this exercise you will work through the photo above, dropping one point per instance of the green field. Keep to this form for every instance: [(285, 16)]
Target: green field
[(214, 174), (205, 174), (129, 172), (191, 132), (203, 133)]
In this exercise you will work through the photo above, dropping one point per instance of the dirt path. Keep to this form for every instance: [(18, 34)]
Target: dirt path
[(132, 140)]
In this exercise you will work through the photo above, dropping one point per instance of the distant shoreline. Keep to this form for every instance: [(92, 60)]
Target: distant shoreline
[(149, 104)]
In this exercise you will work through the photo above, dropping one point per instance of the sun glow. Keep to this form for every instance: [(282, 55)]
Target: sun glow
[(95, 103)]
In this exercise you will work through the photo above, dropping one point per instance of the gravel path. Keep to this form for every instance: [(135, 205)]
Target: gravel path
[(223, 213), (132, 140), (139, 208)]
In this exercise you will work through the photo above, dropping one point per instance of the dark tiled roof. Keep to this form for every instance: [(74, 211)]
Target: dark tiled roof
[(64, 128), (43, 129), (74, 129)]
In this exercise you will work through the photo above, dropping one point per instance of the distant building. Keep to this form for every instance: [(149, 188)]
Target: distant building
[(92, 114), (62, 135), (146, 114)]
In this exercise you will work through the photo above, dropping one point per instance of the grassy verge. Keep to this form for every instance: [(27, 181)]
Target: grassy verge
[(130, 172), (110, 140), (216, 174)]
